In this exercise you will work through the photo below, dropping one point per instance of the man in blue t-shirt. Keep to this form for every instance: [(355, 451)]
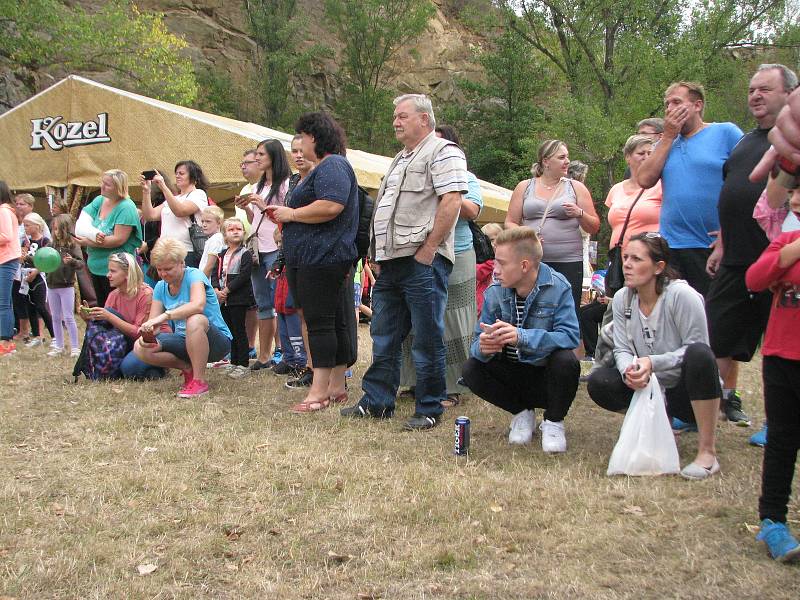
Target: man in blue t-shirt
[(689, 160)]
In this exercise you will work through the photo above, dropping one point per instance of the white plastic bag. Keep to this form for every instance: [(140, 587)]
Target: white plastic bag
[(84, 227), (646, 444)]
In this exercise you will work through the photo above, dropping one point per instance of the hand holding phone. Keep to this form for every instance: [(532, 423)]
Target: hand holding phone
[(148, 175)]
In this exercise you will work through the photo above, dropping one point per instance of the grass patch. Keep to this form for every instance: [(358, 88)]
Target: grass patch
[(231, 496)]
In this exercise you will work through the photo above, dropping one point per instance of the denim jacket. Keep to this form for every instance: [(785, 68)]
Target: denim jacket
[(549, 322)]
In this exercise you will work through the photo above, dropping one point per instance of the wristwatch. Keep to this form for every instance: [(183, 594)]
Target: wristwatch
[(169, 314)]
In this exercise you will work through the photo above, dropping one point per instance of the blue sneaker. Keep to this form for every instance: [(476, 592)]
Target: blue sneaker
[(759, 438), (276, 357), (253, 354), (781, 544), (679, 426), (348, 374)]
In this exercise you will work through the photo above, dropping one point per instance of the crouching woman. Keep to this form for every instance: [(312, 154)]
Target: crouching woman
[(660, 327), (186, 301)]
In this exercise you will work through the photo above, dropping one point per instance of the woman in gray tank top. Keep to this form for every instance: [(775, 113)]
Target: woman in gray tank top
[(556, 208)]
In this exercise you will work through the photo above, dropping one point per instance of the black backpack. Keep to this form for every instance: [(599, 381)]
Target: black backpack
[(365, 207), (481, 243)]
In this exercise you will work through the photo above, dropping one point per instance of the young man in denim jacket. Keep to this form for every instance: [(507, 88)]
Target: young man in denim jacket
[(522, 352)]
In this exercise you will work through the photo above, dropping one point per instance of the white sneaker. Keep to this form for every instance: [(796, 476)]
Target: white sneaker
[(75, 352), (553, 438), (55, 351), (33, 342), (523, 426)]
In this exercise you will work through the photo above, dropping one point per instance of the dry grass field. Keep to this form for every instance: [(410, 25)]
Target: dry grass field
[(121, 490)]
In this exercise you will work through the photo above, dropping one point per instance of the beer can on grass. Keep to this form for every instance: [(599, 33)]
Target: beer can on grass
[(461, 442)]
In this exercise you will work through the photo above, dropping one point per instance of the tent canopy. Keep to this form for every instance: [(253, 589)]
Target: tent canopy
[(73, 131)]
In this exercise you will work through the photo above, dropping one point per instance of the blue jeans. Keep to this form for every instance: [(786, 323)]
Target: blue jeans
[(408, 295), (263, 287), (7, 272), (132, 367)]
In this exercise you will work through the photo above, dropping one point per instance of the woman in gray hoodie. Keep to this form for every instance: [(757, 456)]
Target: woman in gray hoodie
[(660, 327)]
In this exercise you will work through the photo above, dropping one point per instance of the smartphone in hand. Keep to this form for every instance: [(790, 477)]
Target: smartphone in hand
[(148, 175), (148, 337)]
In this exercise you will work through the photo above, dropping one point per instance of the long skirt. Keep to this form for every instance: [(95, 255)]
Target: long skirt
[(459, 324)]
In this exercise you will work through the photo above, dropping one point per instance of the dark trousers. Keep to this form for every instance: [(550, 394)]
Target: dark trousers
[(573, 272), (516, 386), (691, 264), (37, 307), (699, 381), (326, 294), (235, 319), (590, 317), (102, 288), (782, 403)]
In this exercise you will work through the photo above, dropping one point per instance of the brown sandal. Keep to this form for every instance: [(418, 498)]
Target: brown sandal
[(308, 406), (340, 399), (451, 401)]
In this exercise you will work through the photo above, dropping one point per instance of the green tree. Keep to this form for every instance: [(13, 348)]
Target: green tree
[(372, 33), (278, 32), (616, 58), (495, 115), (137, 47)]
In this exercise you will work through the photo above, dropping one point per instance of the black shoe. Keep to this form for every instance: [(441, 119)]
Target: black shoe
[(303, 381), (418, 422), (283, 368), (733, 410), (359, 411), (258, 366)]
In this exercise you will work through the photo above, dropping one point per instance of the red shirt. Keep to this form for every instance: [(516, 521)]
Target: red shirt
[(782, 337), (134, 311)]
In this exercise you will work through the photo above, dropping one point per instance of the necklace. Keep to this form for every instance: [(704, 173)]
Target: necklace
[(549, 187)]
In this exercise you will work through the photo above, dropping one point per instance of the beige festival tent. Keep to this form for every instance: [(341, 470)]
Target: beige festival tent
[(71, 132)]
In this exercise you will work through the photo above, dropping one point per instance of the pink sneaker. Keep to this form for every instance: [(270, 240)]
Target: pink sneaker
[(193, 389), (187, 377)]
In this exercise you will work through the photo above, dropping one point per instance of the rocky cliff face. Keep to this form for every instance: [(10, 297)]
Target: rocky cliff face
[(217, 33)]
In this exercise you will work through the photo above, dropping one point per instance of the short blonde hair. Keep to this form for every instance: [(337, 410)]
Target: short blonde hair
[(492, 229), (166, 250), (35, 219), (633, 143), (120, 179), (130, 265), (229, 221), (214, 211), (525, 241), (26, 198)]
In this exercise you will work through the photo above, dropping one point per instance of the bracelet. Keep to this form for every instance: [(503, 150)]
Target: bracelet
[(581, 215)]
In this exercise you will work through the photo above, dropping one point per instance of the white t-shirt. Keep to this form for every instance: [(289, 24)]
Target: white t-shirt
[(214, 245), (178, 227), (266, 232)]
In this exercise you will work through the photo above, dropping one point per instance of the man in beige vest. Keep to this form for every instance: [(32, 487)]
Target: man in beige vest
[(412, 250)]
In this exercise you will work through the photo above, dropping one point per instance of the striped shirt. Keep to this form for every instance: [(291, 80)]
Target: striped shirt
[(511, 352), (448, 174)]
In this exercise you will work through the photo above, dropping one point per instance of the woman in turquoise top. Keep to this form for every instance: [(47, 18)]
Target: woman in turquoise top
[(186, 301), (120, 229)]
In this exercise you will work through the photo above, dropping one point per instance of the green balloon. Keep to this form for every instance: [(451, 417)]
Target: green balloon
[(47, 259)]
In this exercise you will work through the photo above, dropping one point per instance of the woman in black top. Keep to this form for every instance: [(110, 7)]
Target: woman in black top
[(319, 231)]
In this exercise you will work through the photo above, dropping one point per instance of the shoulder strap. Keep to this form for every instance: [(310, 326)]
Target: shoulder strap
[(628, 318), (628, 218)]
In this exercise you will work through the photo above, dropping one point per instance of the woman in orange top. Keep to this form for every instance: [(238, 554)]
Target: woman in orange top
[(620, 197)]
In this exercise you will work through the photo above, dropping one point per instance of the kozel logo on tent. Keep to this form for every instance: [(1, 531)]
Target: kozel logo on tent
[(59, 135)]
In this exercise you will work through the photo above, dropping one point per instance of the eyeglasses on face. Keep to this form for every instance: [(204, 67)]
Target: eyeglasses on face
[(247, 162)]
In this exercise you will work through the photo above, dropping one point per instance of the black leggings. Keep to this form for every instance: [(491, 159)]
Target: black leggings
[(699, 381), (37, 307), (573, 272), (102, 288), (235, 320), (590, 317), (326, 294), (782, 402)]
